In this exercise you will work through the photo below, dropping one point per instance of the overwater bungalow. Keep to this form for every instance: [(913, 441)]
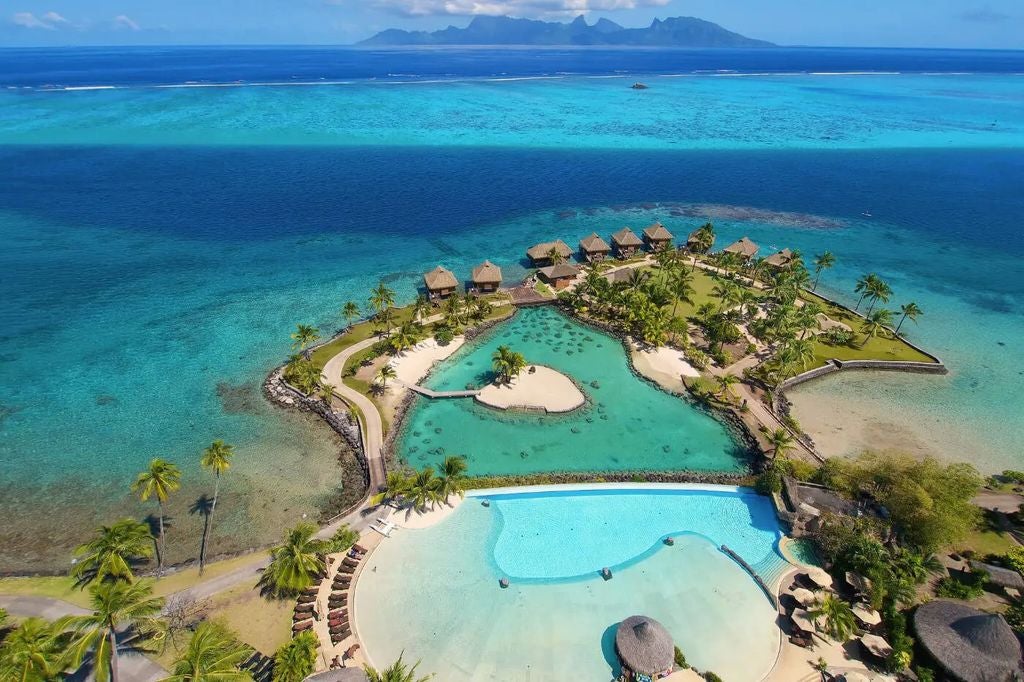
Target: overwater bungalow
[(781, 260), (593, 249), (970, 645), (559, 276), (626, 243), (657, 237), (540, 254), (440, 283), (744, 248), (645, 648), (486, 277)]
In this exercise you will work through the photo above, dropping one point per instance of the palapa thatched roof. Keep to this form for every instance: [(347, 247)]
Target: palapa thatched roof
[(744, 247), (972, 646), (658, 233), (560, 271), (487, 273), (626, 237), (541, 251), (339, 675), (644, 645), (439, 278), (780, 259), (1002, 577), (594, 244), (692, 237)]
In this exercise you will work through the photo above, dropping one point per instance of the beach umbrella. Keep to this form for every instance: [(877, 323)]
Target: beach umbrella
[(804, 596), (644, 645), (876, 645), (968, 643), (858, 582), (819, 577), (802, 619), (866, 615)]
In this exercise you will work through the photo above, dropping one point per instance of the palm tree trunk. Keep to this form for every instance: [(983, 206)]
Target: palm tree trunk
[(873, 302), (112, 634), (209, 523), (160, 554), (817, 274), (901, 323), (859, 300)]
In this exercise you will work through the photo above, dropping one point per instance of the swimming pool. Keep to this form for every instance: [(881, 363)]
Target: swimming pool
[(627, 425), (434, 593)]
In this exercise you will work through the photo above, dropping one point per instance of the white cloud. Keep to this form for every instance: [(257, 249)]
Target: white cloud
[(29, 20), (53, 18), (517, 8), (122, 21)]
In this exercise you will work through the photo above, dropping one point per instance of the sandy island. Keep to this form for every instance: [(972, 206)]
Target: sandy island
[(537, 387)]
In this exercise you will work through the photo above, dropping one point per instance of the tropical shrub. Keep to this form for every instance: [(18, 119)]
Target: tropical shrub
[(801, 470), (1015, 617), (720, 356), (444, 336), (1015, 559), (924, 674), (295, 660), (1013, 476), (837, 336), (696, 357), (342, 540), (680, 659), (969, 587), (712, 677)]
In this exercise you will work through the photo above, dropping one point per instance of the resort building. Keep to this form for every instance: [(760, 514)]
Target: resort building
[(486, 277), (559, 276), (693, 244), (440, 283), (593, 249), (970, 645), (744, 248), (781, 260), (541, 254), (626, 243), (657, 237)]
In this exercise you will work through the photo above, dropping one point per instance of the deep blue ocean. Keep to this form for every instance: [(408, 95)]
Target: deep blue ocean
[(160, 237)]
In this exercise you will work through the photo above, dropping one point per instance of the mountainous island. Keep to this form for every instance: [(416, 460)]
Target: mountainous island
[(484, 30)]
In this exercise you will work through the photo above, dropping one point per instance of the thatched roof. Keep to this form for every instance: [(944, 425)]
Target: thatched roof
[(487, 273), (744, 247), (780, 259), (594, 244), (972, 646), (658, 233), (339, 675), (644, 645), (541, 251), (439, 278), (1002, 577), (626, 237), (560, 271), (692, 237)]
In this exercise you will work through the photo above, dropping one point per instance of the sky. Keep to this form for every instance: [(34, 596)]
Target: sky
[(990, 24)]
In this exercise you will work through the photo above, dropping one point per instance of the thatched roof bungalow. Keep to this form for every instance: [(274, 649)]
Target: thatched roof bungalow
[(440, 282), (594, 249), (626, 243), (486, 277), (559, 276), (744, 248), (657, 237), (540, 254), (782, 259), (645, 647), (970, 645)]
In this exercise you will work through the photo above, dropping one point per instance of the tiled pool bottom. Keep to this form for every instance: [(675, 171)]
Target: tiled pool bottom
[(434, 593)]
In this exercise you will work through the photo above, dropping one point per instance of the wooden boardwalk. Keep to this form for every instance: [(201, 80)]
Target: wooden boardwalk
[(442, 394)]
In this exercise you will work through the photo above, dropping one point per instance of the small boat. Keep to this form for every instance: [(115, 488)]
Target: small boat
[(867, 214), (639, 86)]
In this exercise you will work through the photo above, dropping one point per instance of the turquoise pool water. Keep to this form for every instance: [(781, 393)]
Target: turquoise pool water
[(628, 424), (434, 594)]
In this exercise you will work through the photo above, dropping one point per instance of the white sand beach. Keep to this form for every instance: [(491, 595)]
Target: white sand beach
[(414, 364), (536, 387), (664, 365)]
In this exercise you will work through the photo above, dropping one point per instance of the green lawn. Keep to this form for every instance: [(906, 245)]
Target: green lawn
[(359, 332), (703, 283), (56, 587)]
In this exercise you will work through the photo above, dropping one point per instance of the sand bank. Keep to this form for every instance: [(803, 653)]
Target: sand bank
[(537, 387), (665, 366), (414, 364)]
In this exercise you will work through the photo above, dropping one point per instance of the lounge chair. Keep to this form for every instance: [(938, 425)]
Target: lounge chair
[(384, 527)]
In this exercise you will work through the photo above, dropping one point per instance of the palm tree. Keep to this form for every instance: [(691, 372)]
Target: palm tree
[(668, 262), (823, 261), (385, 372), (395, 486), (454, 312), (780, 441), (295, 661), (875, 322), (863, 287), (681, 287), (878, 291), (213, 655), (507, 363), (420, 307), (424, 489), (116, 607), (158, 481), (381, 298), (303, 336), (216, 458), (910, 311), (838, 616), (676, 326), (397, 672), (728, 293), (453, 471), (806, 318), (33, 652), (113, 553), (405, 337), (702, 242), (725, 385), (350, 311), (555, 256), (295, 564)]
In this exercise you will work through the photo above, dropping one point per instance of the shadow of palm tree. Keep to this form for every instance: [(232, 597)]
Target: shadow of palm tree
[(130, 644), (153, 521)]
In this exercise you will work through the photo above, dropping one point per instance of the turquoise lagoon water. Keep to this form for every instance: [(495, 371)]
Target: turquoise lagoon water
[(439, 588), (158, 245), (627, 424)]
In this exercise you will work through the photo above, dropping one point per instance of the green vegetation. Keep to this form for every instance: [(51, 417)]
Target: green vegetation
[(424, 488), (114, 553), (158, 481), (680, 659), (397, 672), (34, 652), (507, 363), (213, 654), (296, 660), (216, 458), (970, 586), (837, 616), (294, 564)]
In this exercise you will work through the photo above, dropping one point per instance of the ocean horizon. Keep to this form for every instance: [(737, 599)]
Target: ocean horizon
[(159, 244)]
